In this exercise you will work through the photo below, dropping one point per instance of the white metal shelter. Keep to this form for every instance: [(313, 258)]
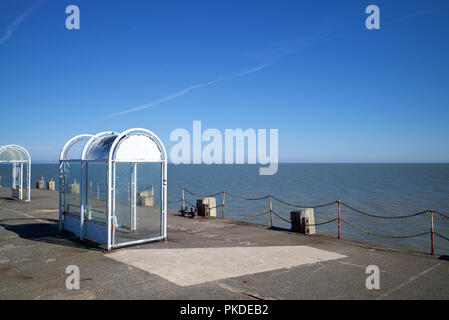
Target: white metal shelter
[(17, 156), (107, 191)]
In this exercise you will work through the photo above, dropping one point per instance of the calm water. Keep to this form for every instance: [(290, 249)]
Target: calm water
[(382, 189)]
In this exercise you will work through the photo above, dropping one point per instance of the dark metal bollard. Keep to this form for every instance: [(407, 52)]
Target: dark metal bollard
[(295, 218), (303, 221), (202, 208)]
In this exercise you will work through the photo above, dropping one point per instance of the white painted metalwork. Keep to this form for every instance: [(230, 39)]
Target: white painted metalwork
[(133, 211), (62, 158), (69, 144), (17, 156), (132, 146)]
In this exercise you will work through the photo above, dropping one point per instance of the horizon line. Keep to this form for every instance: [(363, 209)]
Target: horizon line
[(285, 162)]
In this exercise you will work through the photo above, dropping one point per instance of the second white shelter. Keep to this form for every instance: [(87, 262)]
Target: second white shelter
[(115, 190), (17, 156)]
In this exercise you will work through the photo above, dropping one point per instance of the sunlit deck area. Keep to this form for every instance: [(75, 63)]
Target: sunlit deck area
[(203, 258)]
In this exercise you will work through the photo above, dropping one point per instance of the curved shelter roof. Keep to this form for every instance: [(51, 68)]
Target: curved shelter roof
[(99, 148), (14, 153), (131, 145)]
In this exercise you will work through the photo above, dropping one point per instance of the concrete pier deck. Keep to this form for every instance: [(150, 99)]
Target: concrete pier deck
[(202, 259)]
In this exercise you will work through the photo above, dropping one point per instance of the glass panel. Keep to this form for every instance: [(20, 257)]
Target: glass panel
[(97, 191), (149, 198), (25, 175), (72, 178), (99, 149), (5, 175), (12, 154), (124, 203), (16, 175), (76, 150), (137, 201)]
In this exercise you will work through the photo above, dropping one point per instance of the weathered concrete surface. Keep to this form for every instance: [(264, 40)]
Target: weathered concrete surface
[(33, 259), (219, 263)]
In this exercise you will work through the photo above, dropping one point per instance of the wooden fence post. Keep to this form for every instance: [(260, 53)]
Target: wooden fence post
[(223, 204), (183, 204), (339, 220), (271, 211), (432, 233)]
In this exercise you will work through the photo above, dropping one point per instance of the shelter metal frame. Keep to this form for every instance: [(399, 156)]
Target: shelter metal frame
[(17, 164), (104, 233)]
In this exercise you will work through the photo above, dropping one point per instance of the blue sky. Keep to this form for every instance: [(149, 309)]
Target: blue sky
[(336, 91)]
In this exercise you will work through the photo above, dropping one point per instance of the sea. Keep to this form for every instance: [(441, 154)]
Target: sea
[(385, 190)]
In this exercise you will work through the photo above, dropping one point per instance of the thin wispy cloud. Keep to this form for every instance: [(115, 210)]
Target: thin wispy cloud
[(187, 90), (234, 75), (17, 21)]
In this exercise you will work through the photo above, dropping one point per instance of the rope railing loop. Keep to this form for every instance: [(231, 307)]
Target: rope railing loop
[(441, 214), (245, 198), (304, 206), (255, 199), (173, 201), (256, 215), (382, 217), (277, 215), (385, 236), (214, 194), (192, 193), (215, 207), (441, 236), (339, 219), (236, 195), (202, 196), (321, 223), (193, 205)]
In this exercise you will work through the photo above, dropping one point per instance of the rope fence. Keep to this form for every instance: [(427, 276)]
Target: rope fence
[(441, 236), (277, 215), (384, 236), (384, 217), (442, 215), (171, 201), (338, 219), (321, 223), (304, 206), (257, 215)]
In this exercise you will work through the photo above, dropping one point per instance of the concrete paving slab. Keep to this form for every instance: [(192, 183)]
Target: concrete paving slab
[(192, 266)]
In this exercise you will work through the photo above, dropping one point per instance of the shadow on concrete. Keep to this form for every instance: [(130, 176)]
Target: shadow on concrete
[(279, 229), (443, 257), (8, 199), (48, 233)]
